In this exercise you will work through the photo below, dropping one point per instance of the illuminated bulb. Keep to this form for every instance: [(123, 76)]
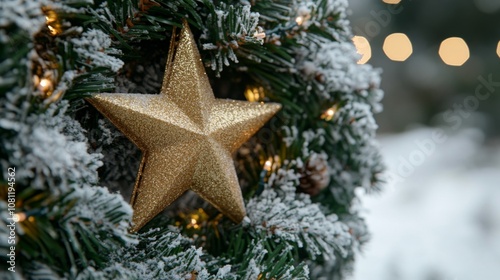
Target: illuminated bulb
[(268, 165), (19, 217), (261, 35), (498, 49), (52, 30), (52, 23), (194, 224), (454, 51), (299, 20), (50, 17), (328, 114), (45, 85), (363, 48), (254, 94), (397, 47)]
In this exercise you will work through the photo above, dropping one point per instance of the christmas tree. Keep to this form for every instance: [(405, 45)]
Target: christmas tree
[(280, 204)]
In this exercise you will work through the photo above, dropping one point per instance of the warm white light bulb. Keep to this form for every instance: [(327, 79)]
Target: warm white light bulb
[(299, 20), (45, 84), (259, 35), (268, 165), (328, 114), (19, 217)]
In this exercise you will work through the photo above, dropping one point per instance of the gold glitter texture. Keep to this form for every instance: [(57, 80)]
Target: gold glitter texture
[(186, 136)]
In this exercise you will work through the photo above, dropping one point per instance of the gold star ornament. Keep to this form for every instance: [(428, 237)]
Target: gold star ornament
[(186, 135)]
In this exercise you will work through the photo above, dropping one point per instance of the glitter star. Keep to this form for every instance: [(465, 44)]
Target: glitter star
[(187, 136)]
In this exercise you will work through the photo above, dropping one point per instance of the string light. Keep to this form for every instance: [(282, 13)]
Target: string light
[(299, 20), (304, 14), (272, 163), (53, 23), (194, 220), (19, 217), (268, 164), (198, 221), (52, 30), (193, 224), (254, 93), (44, 85), (259, 33), (329, 113)]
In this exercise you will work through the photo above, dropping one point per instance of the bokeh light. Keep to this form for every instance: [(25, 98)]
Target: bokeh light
[(391, 1), (363, 48), (397, 47), (498, 49), (454, 51)]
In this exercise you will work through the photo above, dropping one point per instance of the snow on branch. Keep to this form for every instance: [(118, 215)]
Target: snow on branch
[(57, 161), (259, 263), (292, 218), (163, 254), (27, 15), (336, 66), (227, 28), (94, 45)]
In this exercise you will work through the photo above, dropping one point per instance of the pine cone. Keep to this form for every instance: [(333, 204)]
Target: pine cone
[(315, 175)]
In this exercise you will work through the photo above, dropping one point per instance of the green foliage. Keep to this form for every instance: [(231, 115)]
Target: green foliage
[(78, 230)]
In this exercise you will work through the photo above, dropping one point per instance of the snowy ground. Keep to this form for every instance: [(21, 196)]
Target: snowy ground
[(439, 221)]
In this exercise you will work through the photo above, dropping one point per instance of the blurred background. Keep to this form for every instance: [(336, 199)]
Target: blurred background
[(439, 215)]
